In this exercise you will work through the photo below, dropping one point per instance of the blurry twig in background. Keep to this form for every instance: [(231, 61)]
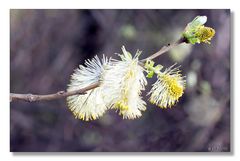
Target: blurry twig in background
[(63, 94)]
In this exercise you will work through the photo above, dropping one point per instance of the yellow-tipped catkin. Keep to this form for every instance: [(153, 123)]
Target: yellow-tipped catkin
[(205, 34), (167, 90)]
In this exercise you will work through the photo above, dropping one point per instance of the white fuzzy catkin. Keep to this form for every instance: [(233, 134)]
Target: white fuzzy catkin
[(122, 86), (89, 106)]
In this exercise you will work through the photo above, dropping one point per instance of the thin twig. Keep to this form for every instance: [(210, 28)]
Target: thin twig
[(48, 97), (164, 49), (63, 94)]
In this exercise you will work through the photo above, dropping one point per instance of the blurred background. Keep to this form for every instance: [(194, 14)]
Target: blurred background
[(47, 45)]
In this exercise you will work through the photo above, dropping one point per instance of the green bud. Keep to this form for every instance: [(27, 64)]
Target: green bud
[(196, 32)]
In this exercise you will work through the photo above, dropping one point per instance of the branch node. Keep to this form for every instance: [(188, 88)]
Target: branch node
[(61, 92), (31, 98)]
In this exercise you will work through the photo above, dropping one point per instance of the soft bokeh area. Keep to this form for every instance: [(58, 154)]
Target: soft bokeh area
[(47, 45)]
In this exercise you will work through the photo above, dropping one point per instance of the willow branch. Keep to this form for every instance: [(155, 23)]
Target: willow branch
[(63, 94), (164, 49), (48, 97)]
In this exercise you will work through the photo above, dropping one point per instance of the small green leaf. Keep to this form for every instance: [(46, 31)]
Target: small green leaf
[(198, 21), (151, 70), (150, 74)]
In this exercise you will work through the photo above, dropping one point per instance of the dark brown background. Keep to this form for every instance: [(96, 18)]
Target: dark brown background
[(47, 45)]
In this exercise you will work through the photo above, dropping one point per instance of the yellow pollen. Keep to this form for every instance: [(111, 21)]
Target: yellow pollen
[(94, 117), (129, 74), (174, 89), (121, 105), (205, 34)]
